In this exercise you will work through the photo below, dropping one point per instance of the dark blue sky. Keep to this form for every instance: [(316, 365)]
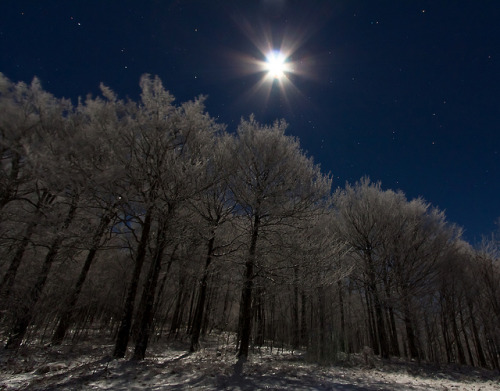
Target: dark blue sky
[(406, 92)]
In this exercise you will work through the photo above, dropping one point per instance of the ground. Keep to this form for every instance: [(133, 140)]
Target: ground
[(89, 366)]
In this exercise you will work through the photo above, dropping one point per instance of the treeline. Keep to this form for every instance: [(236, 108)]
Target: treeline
[(146, 220)]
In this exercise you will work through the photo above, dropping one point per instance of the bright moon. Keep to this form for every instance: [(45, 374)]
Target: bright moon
[(276, 65)]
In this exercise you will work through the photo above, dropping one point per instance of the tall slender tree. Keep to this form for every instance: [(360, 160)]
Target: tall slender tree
[(274, 184)]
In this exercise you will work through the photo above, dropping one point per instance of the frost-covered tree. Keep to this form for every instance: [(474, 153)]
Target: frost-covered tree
[(93, 159), (420, 242), (53, 174), (398, 247), (168, 147), (24, 196), (274, 184), (364, 214), (183, 178), (215, 208)]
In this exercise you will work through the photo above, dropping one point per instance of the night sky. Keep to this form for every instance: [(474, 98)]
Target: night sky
[(406, 92)]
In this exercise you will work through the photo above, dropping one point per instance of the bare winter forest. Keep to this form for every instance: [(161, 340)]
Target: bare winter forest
[(136, 225)]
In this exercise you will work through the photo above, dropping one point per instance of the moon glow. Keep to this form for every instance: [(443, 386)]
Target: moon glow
[(276, 65)]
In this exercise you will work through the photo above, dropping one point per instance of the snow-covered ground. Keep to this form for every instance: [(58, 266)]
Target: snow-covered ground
[(170, 367)]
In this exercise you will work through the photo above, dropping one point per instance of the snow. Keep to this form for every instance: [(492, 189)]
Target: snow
[(169, 367)]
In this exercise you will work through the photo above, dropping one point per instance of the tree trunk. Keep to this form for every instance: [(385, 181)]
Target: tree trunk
[(10, 275), (246, 294), (9, 193), (295, 310), (410, 333), (224, 317), (394, 333), (371, 324), (381, 332), (23, 320), (493, 350), (458, 343), (177, 316), (159, 295), (212, 297), (200, 305), (391, 321), (148, 296), (479, 349), (446, 338), (322, 324), (303, 319), (431, 351), (260, 320), (191, 306), (343, 344), (45, 199), (128, 309), (467, 344), (65, 318)]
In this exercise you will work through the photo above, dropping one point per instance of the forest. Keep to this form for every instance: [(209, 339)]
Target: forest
[(137, 221)]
